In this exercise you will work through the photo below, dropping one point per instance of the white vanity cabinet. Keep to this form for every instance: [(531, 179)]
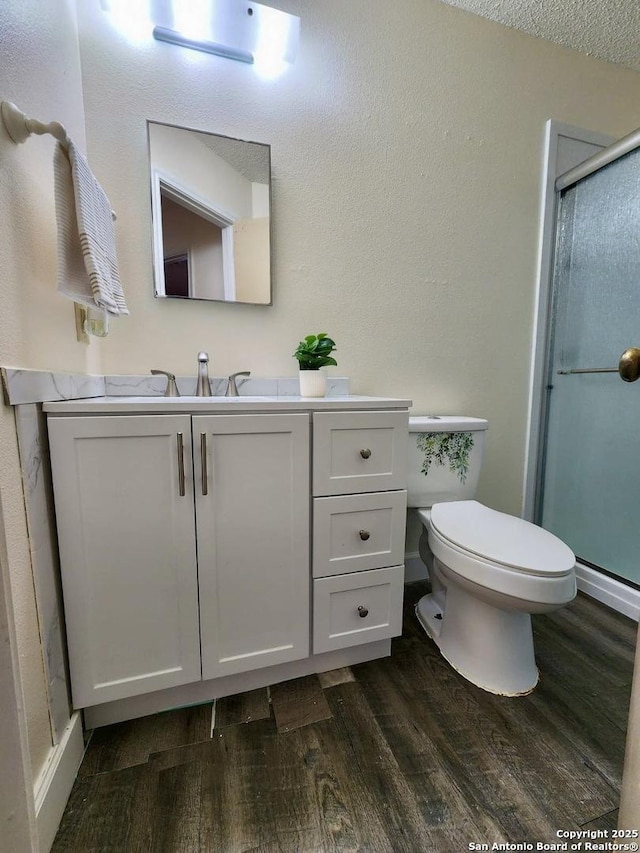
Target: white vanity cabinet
[(212, 546), (141, 613)]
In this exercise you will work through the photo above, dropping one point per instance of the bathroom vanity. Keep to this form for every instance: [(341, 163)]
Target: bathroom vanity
[(210, 546)]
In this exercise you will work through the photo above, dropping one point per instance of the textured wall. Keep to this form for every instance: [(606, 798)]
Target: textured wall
[(41, 73), (406, 154), (17, 817)]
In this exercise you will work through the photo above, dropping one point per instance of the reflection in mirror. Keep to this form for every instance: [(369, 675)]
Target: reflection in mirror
[(210, 205)]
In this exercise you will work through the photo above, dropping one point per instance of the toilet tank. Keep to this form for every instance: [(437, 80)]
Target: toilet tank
[(445, 456)]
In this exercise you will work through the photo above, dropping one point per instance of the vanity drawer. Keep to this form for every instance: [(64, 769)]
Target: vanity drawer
[(359, 452), (353, 533), (349, 610)]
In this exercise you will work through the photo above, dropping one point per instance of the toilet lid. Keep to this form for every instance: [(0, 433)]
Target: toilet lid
[(500, 538)]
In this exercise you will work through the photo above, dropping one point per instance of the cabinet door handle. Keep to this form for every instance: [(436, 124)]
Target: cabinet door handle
[(362, 611), (203, 463), (365, 453), (180, 449), (364, 535)]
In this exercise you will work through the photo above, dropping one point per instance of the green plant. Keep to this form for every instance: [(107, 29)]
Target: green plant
[(314, 352), (451, 447)]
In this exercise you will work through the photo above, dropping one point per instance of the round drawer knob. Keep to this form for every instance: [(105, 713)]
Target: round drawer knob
[(364, 535), (365, 453), (362, 611)]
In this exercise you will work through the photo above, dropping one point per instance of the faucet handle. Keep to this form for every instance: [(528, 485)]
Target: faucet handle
[(232, 388), (171, 389)]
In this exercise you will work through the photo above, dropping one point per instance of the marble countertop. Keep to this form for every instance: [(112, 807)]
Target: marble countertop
[(201, 405)]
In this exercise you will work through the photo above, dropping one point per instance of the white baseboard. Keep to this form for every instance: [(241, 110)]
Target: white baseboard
[(53, 786), (625, 599)]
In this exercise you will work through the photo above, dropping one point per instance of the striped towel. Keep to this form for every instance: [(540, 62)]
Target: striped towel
[(87, 263)]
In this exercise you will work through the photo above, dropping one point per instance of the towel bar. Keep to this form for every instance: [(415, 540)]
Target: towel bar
[(628, 366), (20, 127)]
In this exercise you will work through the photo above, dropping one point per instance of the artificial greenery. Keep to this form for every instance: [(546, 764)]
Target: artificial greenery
[(314, 352), (446, 447)]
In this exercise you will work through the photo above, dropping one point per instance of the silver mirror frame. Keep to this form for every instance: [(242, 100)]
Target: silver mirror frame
[(164, 185)]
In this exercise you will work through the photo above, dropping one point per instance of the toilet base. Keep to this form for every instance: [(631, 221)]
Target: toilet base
[(429, 614), (490, 647)]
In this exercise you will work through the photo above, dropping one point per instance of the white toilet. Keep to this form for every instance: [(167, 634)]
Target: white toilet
[(488, 571)]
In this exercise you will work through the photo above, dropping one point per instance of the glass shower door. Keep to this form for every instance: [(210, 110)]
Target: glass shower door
[(590, 486)]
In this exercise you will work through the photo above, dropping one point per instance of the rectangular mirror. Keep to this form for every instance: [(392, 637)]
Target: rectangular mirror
[(211, 215)]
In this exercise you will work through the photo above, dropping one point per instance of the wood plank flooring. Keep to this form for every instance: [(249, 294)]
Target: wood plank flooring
[(400, 754), (298, 703)]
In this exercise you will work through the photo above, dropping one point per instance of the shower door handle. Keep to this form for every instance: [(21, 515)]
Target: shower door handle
[(628, 367)]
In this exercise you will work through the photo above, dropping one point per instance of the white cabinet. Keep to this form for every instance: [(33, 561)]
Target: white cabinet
[(128, 553), (141, 614), (359, 516), (252, 509), (185, 543)]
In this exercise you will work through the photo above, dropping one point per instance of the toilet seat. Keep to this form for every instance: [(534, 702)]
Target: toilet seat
[(545, 574), (504, 540)]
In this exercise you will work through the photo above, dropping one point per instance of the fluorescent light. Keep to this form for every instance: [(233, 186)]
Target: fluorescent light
[(130, 17), (173, 37), (192, 20), (235, 29)]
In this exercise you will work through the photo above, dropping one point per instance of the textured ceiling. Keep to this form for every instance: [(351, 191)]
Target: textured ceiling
[(607, 29), (251, 159)]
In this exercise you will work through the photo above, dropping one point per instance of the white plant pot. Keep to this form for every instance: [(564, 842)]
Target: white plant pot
[(313, 383)]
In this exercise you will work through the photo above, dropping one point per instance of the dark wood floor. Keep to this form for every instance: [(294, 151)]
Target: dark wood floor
[(400, 754)]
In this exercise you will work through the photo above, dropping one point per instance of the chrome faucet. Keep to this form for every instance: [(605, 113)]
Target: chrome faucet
[(203, 388), (232, 388)]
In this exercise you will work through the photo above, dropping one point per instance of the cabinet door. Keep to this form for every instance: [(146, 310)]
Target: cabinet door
[(127, 550), (252, 510)]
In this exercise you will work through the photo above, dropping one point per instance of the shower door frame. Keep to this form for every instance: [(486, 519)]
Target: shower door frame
[(566, 147)]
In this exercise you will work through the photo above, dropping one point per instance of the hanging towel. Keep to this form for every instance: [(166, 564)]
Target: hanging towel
[(87, 263)]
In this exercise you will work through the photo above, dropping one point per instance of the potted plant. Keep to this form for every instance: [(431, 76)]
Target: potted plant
[(313, 353)]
